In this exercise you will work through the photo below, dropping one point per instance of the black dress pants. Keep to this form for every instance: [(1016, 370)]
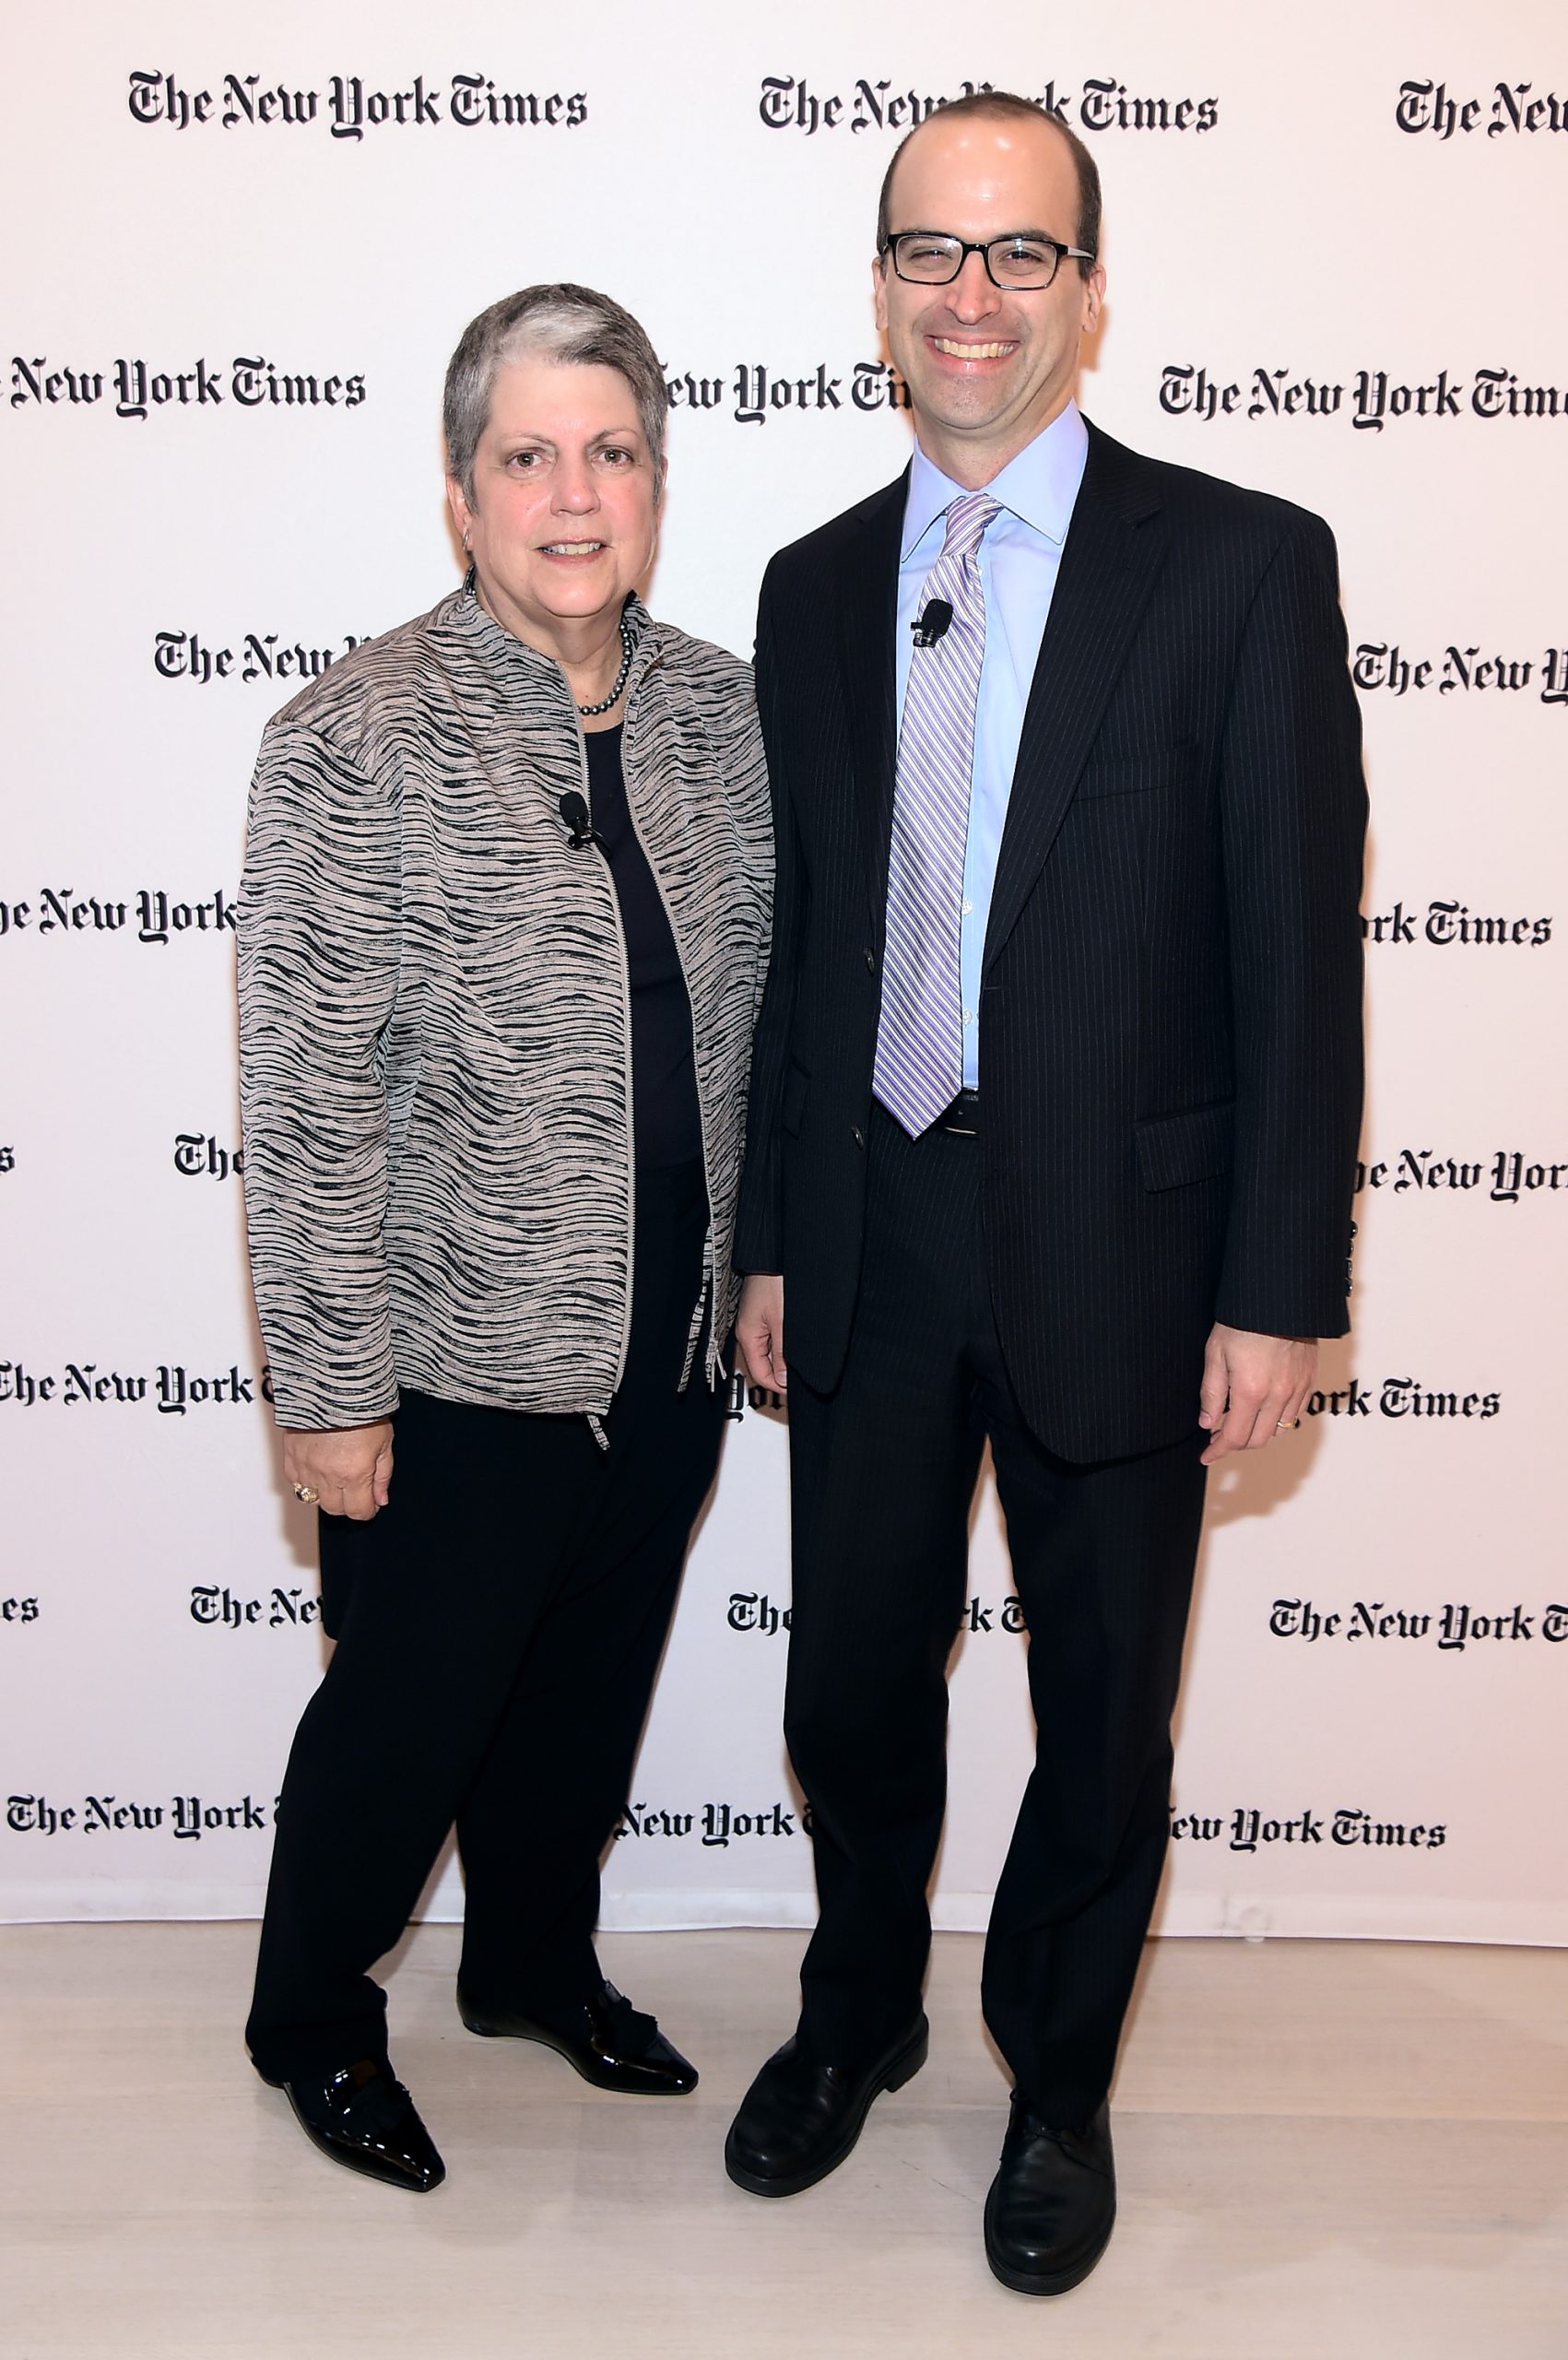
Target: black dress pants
[(499, 1626), (882, 1476)]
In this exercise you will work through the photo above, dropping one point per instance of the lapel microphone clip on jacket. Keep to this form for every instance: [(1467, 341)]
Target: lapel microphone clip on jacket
[(928, 628), (574, 811)]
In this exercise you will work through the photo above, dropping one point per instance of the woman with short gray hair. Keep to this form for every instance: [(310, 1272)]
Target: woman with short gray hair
[(503, 931)]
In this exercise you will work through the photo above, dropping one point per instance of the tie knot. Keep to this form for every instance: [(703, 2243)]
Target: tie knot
[(967, 521)]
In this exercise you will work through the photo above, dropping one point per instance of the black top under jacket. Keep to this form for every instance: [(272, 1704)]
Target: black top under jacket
[(1170, 1012), (667, 1125)]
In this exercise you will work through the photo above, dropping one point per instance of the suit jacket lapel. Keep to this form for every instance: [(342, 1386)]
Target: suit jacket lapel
[(1114, 549), (869, 590)]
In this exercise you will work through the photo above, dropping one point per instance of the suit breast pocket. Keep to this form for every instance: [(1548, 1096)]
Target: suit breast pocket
[(1114, 772)]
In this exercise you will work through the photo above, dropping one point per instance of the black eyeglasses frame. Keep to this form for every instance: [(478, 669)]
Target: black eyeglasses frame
[(985, 248)]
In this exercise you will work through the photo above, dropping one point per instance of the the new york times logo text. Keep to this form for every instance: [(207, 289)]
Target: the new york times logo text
[(788, 102), (349, 106)]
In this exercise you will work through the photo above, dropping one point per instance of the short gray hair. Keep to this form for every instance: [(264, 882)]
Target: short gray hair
[(572, 325)]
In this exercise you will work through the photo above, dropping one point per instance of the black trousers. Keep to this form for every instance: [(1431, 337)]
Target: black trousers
[(498, 1626), (882, 1476)]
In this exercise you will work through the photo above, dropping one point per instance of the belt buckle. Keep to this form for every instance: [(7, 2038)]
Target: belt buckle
[(962, 1117)]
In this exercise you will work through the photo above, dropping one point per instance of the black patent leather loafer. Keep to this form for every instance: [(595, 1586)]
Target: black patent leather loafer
[(801, 2117), (607, 2041), (362, 2117), (1053, 2203)]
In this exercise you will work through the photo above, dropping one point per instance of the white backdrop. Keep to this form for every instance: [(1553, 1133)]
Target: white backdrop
[(243, 243)]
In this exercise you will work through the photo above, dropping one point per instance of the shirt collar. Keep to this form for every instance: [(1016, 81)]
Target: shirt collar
[(1039, 486)]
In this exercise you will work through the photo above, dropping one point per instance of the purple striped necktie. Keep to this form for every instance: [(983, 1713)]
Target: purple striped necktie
[(919, 1069)]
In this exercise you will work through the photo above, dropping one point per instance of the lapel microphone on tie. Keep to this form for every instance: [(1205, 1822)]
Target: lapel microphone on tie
[(928, 628), (918, 1069)]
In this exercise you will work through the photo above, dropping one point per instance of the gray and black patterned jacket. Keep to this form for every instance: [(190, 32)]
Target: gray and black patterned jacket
[(434, 1019)]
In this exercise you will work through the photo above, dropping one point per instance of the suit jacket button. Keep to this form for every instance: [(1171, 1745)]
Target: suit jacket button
[(857, 1134), (870, 960)]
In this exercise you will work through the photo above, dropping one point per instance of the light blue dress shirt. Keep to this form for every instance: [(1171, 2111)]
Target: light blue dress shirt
[(1019, 558)]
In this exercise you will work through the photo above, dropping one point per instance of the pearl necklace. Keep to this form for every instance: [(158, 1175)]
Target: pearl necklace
[(626, 644)]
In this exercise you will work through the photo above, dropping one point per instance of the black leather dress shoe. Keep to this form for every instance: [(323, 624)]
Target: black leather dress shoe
[(800, 2117), (608, 2042), (1053, 2203), (361, 2116)]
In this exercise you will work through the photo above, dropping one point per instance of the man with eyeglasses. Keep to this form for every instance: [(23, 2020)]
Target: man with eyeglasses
[(1053, 1133)]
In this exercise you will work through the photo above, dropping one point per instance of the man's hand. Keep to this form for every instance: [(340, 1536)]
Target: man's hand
[(1252, 1387), (349, 1468), (759, 1332)]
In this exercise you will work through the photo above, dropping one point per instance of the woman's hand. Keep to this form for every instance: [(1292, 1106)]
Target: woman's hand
[(348, 1468)]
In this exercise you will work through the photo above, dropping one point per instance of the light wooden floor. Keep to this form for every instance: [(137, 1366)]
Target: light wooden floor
[(1353, 2152)]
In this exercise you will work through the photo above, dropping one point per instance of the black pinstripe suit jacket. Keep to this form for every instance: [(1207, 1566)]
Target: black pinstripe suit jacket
[(1169, 1023)]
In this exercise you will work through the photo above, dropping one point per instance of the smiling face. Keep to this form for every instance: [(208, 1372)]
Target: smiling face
[(565, 506), (986, 368)]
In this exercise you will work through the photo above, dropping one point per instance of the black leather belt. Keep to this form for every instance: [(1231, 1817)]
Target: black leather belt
[(962, 1117)]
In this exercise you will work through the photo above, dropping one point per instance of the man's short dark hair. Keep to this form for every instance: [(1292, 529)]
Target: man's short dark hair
[(1006, 103)]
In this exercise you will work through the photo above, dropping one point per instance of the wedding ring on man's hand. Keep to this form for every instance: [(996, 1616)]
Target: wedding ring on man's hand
[(1281, 1426), (304, 1494)]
